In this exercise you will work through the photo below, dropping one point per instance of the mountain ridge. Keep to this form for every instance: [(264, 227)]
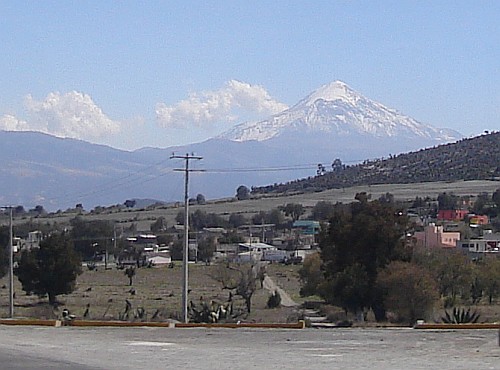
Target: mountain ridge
[(476, 158), (40, 169), (336, 108)]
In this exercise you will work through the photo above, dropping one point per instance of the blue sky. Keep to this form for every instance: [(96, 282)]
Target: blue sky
[(160, 73)]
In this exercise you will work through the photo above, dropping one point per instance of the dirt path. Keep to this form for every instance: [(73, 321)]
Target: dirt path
[(286, 300)]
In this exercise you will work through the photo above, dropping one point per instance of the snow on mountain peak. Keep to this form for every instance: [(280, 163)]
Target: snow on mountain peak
[(336, 90), (336, 109)]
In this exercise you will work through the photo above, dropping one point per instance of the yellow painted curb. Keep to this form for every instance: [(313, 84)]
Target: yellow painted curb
[(29, 322), (458, 326), (95, 323), (298, 325)]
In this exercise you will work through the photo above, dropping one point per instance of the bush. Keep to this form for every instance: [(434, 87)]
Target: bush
[(274, 300)]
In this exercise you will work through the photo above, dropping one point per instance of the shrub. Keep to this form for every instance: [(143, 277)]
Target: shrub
[(274, 300)]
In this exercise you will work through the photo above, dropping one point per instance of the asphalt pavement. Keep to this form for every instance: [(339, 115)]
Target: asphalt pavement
[(167, 348)]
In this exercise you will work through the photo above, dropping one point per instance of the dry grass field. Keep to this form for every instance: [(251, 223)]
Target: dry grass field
[(157, 290), (143, 218)]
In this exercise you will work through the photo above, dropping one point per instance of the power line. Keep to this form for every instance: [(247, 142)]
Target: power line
[(134, 178)]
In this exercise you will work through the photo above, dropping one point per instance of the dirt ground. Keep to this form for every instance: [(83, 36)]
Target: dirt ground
[(157, 290)]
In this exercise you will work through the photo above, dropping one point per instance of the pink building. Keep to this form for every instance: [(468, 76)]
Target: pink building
[(434, 237)]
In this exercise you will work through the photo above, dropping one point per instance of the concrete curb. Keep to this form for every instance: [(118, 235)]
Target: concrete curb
[(458, 326), (91, 323)]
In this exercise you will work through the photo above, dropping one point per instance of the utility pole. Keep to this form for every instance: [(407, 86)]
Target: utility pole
[(11, 262), (185, 256), (11, 267)]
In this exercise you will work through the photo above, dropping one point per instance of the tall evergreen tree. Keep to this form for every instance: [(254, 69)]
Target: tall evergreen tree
[(358, 243), (51, 269)]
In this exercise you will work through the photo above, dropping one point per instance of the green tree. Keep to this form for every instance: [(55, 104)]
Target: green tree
[(489, 276), (200, 199), (359, 242), (496, 197), (242, 193), (349, 289), (294, 210), (322, 211), (206, 249), (4, 250), (159, 225), (236, 220), (481, 204), (310, 275), (447, 201), (453, 272), (177, 250), (91, 236), (409, 290), (51, 269)]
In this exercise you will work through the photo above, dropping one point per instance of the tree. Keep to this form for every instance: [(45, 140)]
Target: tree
[(243, 280), (18, 211), (310, 275), (322, 211), (4, 249), (206, 249), (242, 193), (481, 204), (89, 235), (337, 165), (177, 250), (294, 210), (51, 269), (452, 271), (489, 276), (386, 198), (130, 273), (496, 197), (200, 199), (38, 211), (159, 225), (447, 201), (349, 289), (359, 242), (236, 220), (409, 290), (129, 203)]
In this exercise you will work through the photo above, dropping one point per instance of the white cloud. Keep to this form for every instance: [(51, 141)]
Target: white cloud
[(218, 106), (11, 123), (72, 115)]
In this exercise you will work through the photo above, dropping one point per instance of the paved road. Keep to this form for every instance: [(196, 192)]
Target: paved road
[(163, 348)]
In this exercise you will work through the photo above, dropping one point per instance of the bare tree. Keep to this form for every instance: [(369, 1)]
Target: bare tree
[(243, 280)]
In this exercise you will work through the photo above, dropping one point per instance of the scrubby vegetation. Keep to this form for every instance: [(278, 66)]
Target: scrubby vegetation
[(468, 159)]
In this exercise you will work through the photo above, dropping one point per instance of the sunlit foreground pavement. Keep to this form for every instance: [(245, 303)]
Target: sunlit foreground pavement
[(29, 347)]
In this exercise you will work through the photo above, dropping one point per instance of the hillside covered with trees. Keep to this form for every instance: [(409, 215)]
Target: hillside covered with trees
[(476, 158)]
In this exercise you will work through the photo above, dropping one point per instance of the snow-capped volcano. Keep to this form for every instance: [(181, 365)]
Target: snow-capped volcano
[(336, 109)]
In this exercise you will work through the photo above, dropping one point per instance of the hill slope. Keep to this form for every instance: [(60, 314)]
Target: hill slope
[(477, 158)]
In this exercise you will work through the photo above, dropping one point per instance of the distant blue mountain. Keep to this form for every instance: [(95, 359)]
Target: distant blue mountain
[(332, 122)]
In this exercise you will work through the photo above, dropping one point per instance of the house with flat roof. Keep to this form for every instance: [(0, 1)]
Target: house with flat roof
[(434, 236)]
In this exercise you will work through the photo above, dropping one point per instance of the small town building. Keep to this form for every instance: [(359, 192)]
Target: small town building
[(488, 243), (452, 214), (434, 236)]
